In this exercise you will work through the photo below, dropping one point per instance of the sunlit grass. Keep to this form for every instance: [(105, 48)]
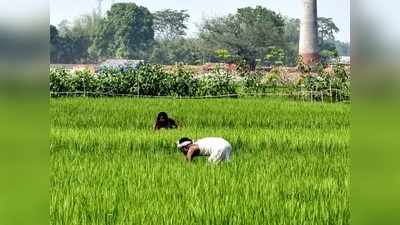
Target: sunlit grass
[(290, 162)]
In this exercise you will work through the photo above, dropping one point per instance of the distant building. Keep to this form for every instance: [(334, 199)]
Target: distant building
[(93, 68), (62, 66), (344, 60), (75, 67), (121, 63)]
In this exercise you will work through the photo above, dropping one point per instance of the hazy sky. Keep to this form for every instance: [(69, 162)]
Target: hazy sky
[(339, 10)]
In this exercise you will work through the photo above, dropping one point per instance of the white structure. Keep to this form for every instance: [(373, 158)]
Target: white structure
[(344, 60), (308, 46), (121, 63)]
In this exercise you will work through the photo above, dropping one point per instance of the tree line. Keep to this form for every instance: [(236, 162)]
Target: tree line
[(255, 35)]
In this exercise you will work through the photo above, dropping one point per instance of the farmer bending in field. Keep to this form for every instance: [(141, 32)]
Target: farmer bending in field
[(163, 122), (217, 149)]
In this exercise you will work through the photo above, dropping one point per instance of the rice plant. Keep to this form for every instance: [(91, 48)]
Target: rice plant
[(290, 162)]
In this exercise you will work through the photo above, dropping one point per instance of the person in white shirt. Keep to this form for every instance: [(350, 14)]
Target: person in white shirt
[(217, 149)]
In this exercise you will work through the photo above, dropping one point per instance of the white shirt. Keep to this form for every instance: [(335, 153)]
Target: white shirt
[(212, 145)]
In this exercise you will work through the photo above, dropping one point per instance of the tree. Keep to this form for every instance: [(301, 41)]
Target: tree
[(291, 36), (170, 24), (61, 45), (326, 37), (62, 49), (178, 50), (223, 54), (326, 29), (70, 42), (84, 28), (161, 54), (247, 34), (275, 56), (343, 48), (126, 32), (86, 25), (328, 54), (55, 45)]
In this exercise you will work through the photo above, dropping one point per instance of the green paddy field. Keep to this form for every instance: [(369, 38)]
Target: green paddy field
[(290, 164)]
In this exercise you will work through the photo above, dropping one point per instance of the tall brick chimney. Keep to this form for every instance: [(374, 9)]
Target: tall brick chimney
[(308, 46)]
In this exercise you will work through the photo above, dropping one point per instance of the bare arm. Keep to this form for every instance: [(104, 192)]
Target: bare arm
[(191, 152)]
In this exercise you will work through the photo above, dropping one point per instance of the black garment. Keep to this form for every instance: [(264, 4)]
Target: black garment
[(166, 124)]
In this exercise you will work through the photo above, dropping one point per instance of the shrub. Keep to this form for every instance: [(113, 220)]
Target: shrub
[(216, 83), (153, 80), (60, 81), (84, 81), (334, 85), (79, 81), (254, 83), (274, 78), (116, 81), (184, 82)]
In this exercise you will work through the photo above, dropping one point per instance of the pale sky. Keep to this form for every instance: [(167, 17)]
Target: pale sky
[(339, 10)]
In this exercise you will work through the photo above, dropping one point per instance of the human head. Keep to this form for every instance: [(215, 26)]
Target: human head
[(162, 116), (183, 144)]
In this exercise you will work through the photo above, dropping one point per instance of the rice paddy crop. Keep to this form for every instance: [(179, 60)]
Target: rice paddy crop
[(290, 162)]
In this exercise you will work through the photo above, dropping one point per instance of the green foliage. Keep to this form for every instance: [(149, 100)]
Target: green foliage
[(243, 68), (60, 80), (327, 55), (70, 43), (184, 83), (343, 48), (148, 80), (334, 86), (126, 32), (326, 29), (81, 81), (274, 78), (341, 82), (254, 83), (271, 83), (326, 38), (55, 45), (301, 66), (216, 83), (275, 56), (170, 24), (66, 48), (291, 162), (85, 81), (223, 54), (248, 34), (291, 36), (153, 80), (118, 81), (179, 50)]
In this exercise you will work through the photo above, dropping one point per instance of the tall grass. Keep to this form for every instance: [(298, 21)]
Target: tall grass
[(290, 162)]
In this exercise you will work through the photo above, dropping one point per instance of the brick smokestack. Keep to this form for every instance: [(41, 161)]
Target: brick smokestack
[(308, 46)]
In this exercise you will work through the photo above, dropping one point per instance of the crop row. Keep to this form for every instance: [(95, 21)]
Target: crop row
[(154, 80)]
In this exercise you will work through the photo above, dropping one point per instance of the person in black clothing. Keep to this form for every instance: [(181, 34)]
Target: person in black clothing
[(163, 121)]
